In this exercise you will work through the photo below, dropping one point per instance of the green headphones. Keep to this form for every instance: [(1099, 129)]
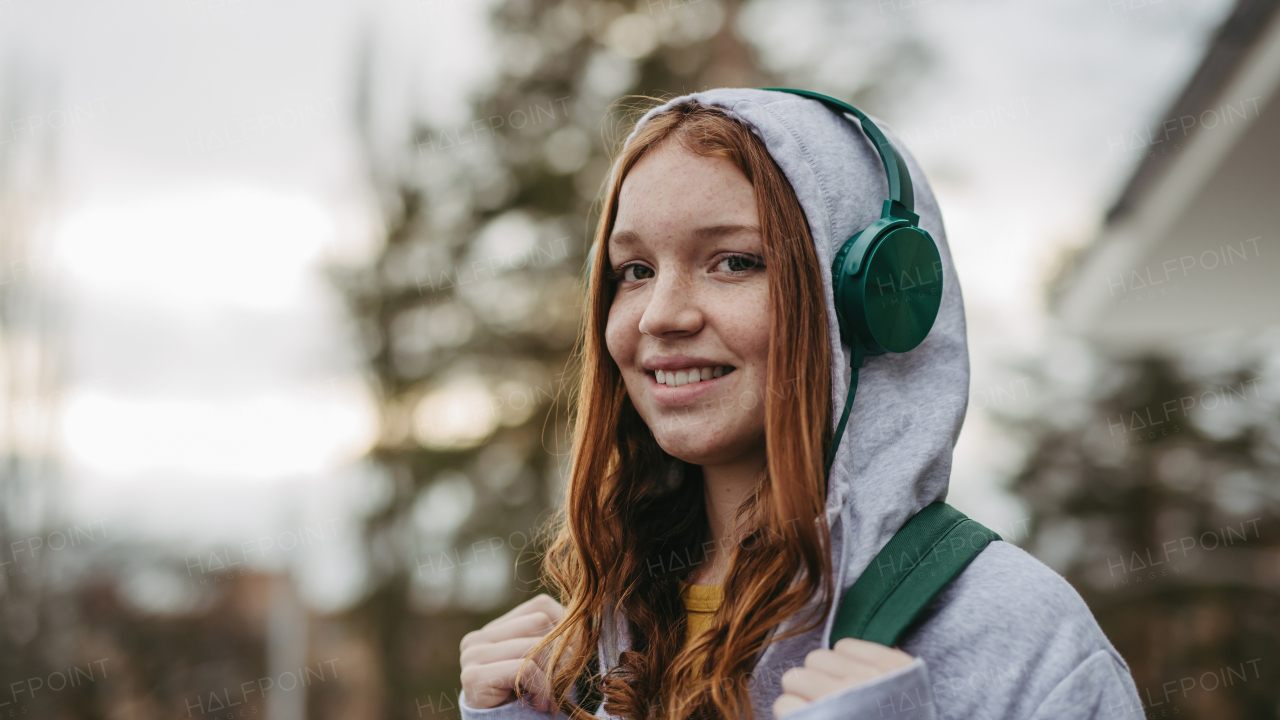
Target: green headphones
[(887, 278)]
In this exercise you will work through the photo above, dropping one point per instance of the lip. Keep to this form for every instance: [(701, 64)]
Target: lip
[(680, 362), (668, 396)]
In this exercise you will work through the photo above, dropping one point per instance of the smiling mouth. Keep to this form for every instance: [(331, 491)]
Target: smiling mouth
[(688, 376)]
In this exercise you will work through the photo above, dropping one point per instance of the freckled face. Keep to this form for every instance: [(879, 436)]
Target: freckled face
[(689, 323)]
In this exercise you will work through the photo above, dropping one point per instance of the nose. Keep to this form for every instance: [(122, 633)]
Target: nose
[(673, 309)]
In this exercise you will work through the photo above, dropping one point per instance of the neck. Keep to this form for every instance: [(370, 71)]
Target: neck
[(726, 487)]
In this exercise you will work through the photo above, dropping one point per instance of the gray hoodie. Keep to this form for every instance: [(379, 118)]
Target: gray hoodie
[(1008, 638)]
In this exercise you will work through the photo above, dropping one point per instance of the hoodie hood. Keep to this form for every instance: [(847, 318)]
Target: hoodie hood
[(895, 455)]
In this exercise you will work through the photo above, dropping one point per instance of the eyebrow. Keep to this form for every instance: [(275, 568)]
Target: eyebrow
[(625, 237), (710, 232), (717, 231)]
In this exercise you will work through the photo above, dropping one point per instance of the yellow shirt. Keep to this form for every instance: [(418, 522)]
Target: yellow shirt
[(700, 603)]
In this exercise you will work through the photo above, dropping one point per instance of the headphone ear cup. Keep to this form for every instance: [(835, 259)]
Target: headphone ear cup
[(839, 277), (899, 291), (893, 300)]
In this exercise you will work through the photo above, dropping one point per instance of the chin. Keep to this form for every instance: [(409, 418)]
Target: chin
[(706, 448)]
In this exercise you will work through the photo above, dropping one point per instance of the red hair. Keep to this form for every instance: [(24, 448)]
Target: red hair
[(622, 518)]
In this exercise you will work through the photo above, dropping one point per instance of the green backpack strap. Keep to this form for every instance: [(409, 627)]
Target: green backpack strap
[(917, 563)]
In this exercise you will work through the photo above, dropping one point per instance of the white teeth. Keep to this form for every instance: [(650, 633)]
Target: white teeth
[(678, 378)]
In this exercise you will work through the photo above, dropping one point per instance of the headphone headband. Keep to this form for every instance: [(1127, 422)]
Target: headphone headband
[(895, 168)]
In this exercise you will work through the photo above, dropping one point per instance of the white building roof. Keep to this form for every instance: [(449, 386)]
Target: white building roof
[(1192, 245)]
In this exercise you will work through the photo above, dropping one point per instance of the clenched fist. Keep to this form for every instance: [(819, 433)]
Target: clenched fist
[(492, 655), (826, 672)]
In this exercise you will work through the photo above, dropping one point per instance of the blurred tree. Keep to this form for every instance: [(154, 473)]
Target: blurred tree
[(71, 645), (470, 309), (1154, 491)]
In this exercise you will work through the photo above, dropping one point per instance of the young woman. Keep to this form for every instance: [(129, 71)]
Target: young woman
[(704, 547)]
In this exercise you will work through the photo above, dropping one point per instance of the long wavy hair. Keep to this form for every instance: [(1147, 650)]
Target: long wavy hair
[(631, 526)]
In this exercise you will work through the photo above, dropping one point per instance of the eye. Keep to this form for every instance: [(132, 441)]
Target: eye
[(735, 264), (634, 272)]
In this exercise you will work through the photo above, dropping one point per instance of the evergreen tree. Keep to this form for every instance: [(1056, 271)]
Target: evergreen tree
[(1155, 493)]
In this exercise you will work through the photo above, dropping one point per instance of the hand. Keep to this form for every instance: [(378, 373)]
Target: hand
[(492, 655), (826, 672)]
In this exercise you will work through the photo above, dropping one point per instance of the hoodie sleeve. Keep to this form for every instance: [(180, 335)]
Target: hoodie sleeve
[(903, 694), (518, 710), (1096, 690), (1010, 639)]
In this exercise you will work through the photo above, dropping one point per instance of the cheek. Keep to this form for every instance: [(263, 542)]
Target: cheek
[(745, 327)]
